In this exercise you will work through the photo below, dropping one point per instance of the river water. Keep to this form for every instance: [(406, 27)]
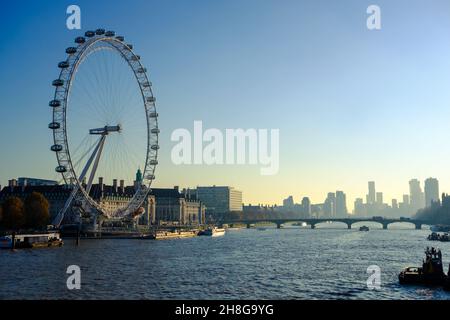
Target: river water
[(290, 263)]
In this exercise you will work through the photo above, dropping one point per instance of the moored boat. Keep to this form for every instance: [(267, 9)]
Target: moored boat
[(32, 240), (175, 234), (364, 228)]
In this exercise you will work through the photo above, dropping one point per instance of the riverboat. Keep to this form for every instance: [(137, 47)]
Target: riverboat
[(430, 273), (213, 232), (32, 240)]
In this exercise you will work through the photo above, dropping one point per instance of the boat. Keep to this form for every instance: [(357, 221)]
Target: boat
[(213, 232), (364, 228), (431, 272), (261, 229), (32, 240), (434, 236), (175, 234)]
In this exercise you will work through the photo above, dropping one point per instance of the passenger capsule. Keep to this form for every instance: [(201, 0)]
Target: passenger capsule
[(63, 64), (54, 125), (56, 147), (154, 130), (54, 103), (71, 50), (61, 169), (120, 38), (151, 177), (153, 115), (146, 84), (58, 82), (89, 34), (153, 162), (129, 46), (99, 32), (155, 147), (151, 99), (110, 33), (80, 40)]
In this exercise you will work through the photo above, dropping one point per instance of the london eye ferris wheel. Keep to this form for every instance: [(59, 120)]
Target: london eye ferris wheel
[(104, 123)]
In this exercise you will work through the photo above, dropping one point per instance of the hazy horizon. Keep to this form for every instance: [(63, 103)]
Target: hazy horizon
[(352, 105)]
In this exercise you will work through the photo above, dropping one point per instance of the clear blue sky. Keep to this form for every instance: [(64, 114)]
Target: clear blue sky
[(352, 105)]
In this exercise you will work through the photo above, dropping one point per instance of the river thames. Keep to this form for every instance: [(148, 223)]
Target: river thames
[(290, 263)]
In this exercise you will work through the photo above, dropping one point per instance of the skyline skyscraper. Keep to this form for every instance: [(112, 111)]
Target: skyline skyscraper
[(394, 204), (306, 206), (288, 202), (371, 195), (329, 206), (341, 204), (379, 199), (417, 198), (431, 191)]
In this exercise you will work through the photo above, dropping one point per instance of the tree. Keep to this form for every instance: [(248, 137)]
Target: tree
[(37, 213), (13, 213)]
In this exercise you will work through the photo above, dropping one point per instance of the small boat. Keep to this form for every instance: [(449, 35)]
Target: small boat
[(431, 272), (33, 240), (213, 232), (261, 229), (434, 236), (364, 228)]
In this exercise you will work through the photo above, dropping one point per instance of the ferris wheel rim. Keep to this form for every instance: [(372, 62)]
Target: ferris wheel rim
[(63, 85)]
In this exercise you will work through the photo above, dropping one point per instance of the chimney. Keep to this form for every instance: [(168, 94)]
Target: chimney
[(122, 186), (12, 183), (115, 186), (24, 185), (100, 184)]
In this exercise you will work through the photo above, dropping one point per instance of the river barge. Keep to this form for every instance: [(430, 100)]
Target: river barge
[(31, 240), (175, 234)]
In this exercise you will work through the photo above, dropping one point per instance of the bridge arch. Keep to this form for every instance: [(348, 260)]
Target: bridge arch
[(335, 222), (414, 225), (365, 222)]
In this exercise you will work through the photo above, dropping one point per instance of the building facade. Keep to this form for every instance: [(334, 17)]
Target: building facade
[(177, 208), (341, 204), (416, 196), (221, 199), (161, 205), (431, 191)]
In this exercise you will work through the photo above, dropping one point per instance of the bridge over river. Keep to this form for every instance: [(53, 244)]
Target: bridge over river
[(385, 222)]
